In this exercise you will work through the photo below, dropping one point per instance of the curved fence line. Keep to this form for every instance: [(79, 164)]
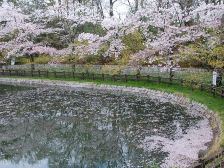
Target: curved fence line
[(202, 75), (216, 91)]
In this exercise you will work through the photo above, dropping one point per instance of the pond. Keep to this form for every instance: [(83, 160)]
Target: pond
[(68, 128)]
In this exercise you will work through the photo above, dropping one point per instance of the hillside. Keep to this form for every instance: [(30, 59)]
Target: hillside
[(163, 33)]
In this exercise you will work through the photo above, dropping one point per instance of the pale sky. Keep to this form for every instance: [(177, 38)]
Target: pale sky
[(121, 8)]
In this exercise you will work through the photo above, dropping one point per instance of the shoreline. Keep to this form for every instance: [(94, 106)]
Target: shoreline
[(212, 117)]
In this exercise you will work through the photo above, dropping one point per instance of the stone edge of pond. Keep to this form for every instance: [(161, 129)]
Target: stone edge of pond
[(214, 120)]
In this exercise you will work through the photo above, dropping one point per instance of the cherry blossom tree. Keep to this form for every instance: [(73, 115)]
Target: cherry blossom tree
[(164, 24)]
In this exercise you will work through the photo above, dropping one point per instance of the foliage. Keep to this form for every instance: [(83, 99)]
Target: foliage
[(51, 39), (124, 58), (81, 43), (103, 48), (216, 58), (113, 70), (23, 60), (1, 56), (162, 26), (66, 59), (152, 29), (90, 28), (42, 59), (55, 22), (9, 36), (91, 59), (197, 55), (144, 19), (76, 59), (134, 41)]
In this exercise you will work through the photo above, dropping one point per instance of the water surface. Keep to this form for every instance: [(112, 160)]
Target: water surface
[(62, 128)]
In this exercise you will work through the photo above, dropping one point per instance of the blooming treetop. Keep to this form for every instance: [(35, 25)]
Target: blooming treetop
[(163, 27)]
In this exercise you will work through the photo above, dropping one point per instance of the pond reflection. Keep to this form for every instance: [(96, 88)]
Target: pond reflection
[(61, 128)]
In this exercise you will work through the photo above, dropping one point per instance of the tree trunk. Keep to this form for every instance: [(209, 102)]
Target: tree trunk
[(160, 3), (111, 8), (136, 5), (222, 29), (99, 7), (67, 7), (222, 21), (142, 3)]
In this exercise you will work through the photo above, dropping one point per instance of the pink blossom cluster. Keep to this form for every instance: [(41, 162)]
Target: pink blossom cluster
[(172, 26)]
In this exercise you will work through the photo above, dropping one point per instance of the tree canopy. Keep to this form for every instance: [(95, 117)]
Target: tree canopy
[(145, 30)]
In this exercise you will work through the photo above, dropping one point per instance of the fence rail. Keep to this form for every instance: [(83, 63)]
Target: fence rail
[(216, 91), (196, 74)]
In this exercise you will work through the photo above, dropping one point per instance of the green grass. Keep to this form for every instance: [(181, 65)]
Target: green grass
[(214, 103)]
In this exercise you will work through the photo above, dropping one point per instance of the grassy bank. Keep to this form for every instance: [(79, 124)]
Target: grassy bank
[(214, 103)]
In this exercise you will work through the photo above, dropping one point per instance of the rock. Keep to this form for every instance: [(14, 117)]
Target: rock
[(202, 153)]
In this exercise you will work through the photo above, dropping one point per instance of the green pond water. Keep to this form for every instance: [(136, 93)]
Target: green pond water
[(62, 128)]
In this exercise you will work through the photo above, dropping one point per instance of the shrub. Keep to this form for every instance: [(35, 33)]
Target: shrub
[(124, 57), (10, 36), (85, 59), (103, 48), (67, 59), (81, 43), (23, 60), (198, 56), (152, 29), (216, 58), (90, 28), (51, 39), (55, 22), (110, 69), (42, 59), (144, 19), (1, 56), (91, 59), (134, 41)]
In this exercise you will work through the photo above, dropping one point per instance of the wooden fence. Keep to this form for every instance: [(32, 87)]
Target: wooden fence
[(216, 91)]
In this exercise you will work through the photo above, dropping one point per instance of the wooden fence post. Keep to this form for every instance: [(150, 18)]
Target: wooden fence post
[(87, 74), (159, 79), (137, 77), (202, 87), (148, 78), (55, 74), (126, 78), (103, 77), (47, 73), (222, 93), (73, 74), (113, 78), (182, 82), (212, 89), (171, 80), (192, 85), (64, 75), (39, 73)]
